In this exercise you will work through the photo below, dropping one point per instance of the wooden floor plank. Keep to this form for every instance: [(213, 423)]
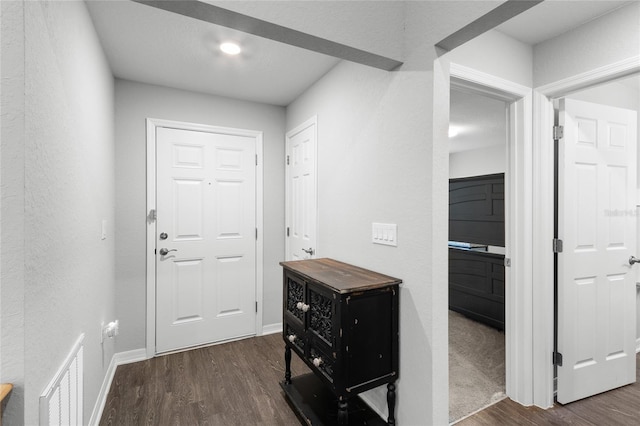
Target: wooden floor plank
[(230, 384), (619, 407), (238, 384)]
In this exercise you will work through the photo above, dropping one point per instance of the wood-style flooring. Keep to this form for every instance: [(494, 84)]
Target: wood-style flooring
[(234, 383), (237, 383), (619, 407)]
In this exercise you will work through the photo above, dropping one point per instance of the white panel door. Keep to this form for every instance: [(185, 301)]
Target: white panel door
[(597, 223), (301, 192), (206, 219)]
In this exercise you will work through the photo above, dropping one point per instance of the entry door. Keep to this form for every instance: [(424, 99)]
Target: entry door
[(206, 242), (301, 192), (597, 223)]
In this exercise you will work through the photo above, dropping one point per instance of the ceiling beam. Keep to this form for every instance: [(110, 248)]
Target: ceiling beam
[(258, 27), (486, 22)]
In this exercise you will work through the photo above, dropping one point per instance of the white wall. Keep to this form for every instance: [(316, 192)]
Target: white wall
[(376, 164), (59, 187), (12, 194), (609, 39), (497, 54), (134, 103), (476, 162)]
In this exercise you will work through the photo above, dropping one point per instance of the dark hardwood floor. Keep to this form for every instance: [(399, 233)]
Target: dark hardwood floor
[(237, 383), (234, 383), (619, 407)]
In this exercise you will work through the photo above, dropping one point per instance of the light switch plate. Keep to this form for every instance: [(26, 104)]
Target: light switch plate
[(385, 234)]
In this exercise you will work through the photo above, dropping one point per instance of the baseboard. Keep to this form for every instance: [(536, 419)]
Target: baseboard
[(272, 329), (120, 358)]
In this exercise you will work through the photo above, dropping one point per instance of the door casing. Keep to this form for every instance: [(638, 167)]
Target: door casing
[(543, 225), (152, 125)]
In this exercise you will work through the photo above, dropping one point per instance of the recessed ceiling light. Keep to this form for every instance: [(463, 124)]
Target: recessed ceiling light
[(230, 48)]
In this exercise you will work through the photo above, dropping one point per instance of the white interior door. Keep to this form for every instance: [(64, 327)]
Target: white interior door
[(301, 192), (206, 218), (596, 220)]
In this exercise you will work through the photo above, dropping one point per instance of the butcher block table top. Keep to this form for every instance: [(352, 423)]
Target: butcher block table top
[(341, 277)]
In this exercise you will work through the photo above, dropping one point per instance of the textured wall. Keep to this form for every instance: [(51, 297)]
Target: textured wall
[(12, 194), (475, 162), (67, 165), (609, 39), (134, 103)]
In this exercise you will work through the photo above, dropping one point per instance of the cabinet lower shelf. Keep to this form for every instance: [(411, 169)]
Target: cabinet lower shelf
[(316, 405)]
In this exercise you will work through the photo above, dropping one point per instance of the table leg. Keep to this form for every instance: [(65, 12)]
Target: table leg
[(391, 403), (343, 412), (287, 365)]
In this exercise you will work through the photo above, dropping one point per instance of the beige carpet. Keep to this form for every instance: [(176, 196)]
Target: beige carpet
[(476, 366)]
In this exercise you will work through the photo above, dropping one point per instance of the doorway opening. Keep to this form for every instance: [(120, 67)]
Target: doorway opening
[(478, 136)]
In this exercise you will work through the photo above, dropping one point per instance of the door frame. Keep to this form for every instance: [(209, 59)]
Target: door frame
[(152, 125), (518, 213), (543, 156), (313, 121)]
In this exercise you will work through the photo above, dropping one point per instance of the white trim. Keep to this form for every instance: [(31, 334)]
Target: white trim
[(152, 125), (487, 84), (120, 358), (543, 158), (272, 329), (599, 75), (543, 265), (313, 121), (518, 207)]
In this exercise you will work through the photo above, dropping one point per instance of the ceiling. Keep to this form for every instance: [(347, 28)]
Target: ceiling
[(154, 46), (551, 18)]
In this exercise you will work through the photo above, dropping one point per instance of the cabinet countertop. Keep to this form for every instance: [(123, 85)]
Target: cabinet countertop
[(341, 277)]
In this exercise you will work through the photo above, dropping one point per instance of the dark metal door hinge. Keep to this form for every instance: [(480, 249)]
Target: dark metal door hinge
[(287, 160), (256, 306), (558, 133), (287, 231), (256, 159), (557, 359), (557, 245), (256, 233)]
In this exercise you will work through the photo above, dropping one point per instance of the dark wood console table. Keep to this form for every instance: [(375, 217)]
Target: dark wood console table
[(342, 321)]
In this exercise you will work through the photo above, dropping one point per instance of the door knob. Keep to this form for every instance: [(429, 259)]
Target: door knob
[(164, 251), (309, 251), (633, 260)]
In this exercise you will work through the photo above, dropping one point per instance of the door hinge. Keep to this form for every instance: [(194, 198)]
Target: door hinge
[(557, 359), (287, 160), (507, 262), (256, 233), (557, 245), (287, 231), (256, 306), (153, 215), (558, 133), (256, 159)]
